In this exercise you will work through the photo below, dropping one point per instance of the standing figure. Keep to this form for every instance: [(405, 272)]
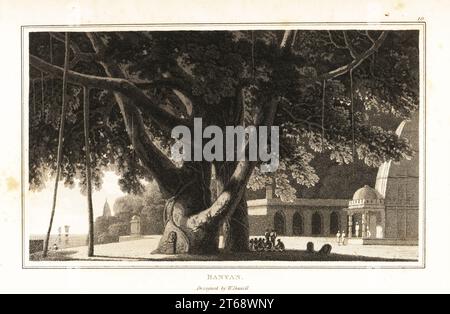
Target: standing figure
[(273, 237), (251, 246), (343, 238), (368, 233), (338, 238), (267, 235)]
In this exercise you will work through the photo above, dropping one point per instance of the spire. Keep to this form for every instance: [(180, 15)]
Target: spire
[(106, 210)]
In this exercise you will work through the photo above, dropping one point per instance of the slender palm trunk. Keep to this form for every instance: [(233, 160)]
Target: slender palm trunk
[(88, 172), (60, 145)]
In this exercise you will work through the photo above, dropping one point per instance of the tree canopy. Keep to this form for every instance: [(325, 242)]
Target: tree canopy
[(327, 86)]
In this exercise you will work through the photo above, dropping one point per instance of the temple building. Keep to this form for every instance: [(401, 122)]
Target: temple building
[(387, 213), (366, 214), (107, 210)]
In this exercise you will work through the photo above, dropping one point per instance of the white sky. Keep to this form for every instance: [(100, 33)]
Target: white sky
[(71, 206)]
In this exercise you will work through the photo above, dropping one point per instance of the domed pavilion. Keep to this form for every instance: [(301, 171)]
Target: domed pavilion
[(366, 214)]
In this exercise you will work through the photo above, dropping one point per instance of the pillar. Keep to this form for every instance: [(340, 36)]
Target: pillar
[(289, 218), (269, 192), (350, 226), (343, 222), (364, 225), (372, 222), (356, 222), (307, 223), (135, 226), (326, 222)]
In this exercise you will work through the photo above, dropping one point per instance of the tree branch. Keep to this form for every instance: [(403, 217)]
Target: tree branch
[(334, 42), (166, 174), (369, 36), (75, 48), (310, 124), (124, 86), (167, 82), (227, 200), (78, 54), (155, 161), (352, 65), (285, 39), (349, 46)]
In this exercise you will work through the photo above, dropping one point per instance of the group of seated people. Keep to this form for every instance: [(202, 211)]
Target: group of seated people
[(267, 244)]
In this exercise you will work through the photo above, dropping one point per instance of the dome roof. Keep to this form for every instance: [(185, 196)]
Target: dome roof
[(366, 193)]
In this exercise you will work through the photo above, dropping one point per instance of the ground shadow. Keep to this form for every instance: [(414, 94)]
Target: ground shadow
[(288, 255), (54, 256)]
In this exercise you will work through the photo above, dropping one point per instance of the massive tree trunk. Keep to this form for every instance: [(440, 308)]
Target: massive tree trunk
[(190, 231), (235, 228), (196, 231), (240, 230), (184, 233)]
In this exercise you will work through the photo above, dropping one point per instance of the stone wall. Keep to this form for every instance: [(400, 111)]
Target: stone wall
[(402, 222)]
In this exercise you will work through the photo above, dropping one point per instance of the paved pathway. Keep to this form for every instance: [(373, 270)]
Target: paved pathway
[(141, 249)]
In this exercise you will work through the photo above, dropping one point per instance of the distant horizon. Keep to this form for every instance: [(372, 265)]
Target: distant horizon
[(55, 234), (71, 206)]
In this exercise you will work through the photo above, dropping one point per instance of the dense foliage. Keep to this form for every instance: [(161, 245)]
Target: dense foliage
[(208, 74), (149, 207)]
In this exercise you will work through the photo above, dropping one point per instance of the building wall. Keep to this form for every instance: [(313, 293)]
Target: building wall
[(398, 183), (259, 224), (402, 222), (262, 218)]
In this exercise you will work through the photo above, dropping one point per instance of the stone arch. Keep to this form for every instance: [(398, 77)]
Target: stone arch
[(317, 224), (279, 223), (298, 227), (335, 223)]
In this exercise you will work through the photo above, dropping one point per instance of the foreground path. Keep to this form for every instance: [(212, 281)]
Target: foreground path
[(140, 250)]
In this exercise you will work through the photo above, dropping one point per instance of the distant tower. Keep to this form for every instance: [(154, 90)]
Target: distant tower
[(106, 210)]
